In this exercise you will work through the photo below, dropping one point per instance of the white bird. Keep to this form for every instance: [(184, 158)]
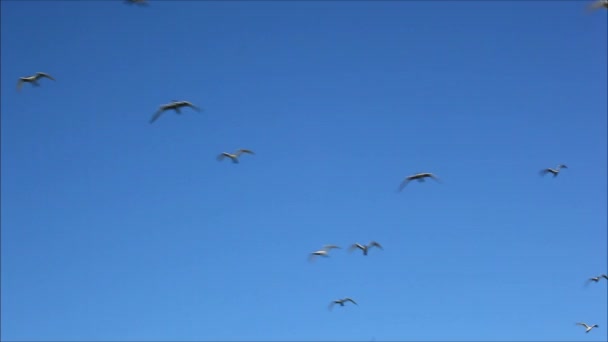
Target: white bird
[(419, 177), (598, 4), (341, 302), (33, 79), (174, 105), (324, 252), (555, 171), (588, 328), (365, 248), (234, 156), (320, 252)]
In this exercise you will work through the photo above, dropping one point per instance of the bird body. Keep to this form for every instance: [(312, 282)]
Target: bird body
[(365, 248), (324, 252), (234, 156), (419, 177), (587, 327), (315, 254), (175, 105), (341, 302), (33, 79), (555, 171)]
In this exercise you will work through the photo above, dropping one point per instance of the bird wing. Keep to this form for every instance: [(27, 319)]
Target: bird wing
[(157, 115), (20, 84), (243, 150), (404, 183), (583, 324), (434, 177), (189, 104), (355, 246), (604, 275), (331, 305), (350, 300), (221, 156), (374, 243), (329, 247), (43, 74), (596, 5), (544, 172), (312, 256)]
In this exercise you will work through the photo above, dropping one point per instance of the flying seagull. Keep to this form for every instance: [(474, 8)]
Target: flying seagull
[(598, 4), (365, 248), (174, 105), (324, 252), (33, 79), (419, 177), (595, 279), (234, 156), (588, 328), (553, 171), (341, 302)]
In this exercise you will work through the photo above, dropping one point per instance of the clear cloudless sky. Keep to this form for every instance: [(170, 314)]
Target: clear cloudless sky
[(117, 229)]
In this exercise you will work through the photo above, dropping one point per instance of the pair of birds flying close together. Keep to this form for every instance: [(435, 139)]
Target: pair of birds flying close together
[(175, 105), (33, 79), (324, 252)]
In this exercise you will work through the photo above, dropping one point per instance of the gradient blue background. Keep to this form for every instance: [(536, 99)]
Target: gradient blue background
[(116, 229)]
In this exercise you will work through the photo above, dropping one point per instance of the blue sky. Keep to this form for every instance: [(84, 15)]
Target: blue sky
[(117, 229)]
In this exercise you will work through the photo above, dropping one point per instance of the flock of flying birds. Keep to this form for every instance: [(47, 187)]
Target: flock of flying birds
[(176, 105), (324, 252)]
